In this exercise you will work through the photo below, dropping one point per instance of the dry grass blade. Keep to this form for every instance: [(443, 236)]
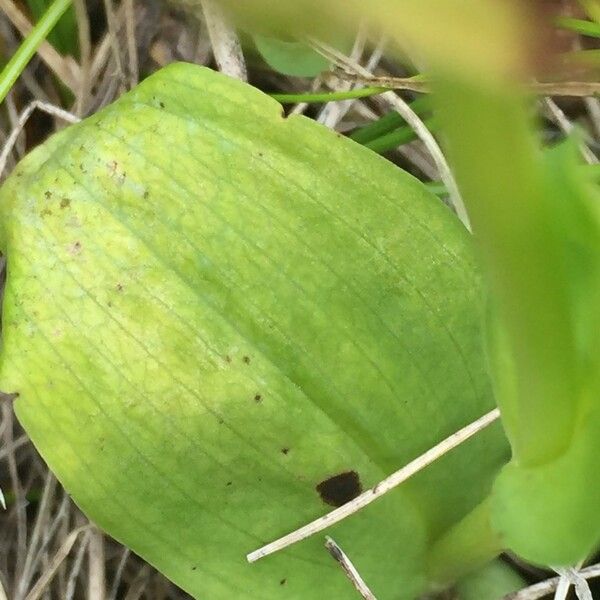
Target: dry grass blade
[(52, 110), (578, 89), (383, 487), (333, 112), (226, 45), (556, 114), (353, 575), (406, 112), (572, 577), (542, 589), (76, 567), (61, 554), (96, 589), (36, 534), (132, 53), (85, 50)]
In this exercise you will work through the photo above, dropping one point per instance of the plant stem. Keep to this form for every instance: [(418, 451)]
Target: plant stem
[(469, 544), (397, 137), (580, 26), (389, 122), (31, 43), (328, 96)]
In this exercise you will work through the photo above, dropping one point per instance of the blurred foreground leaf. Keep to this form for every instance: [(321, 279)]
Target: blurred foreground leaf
[(290, 57)]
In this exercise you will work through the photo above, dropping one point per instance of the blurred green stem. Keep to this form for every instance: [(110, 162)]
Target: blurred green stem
[(468, 545)]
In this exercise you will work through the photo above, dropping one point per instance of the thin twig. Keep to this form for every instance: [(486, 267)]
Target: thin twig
[(17, 489), (556, 114), (34, 540), (225, 43), (562, 589), (353, 575), (539, 590), (423, 85), (119, 574), (85, 50), (76, 566), (572, 577), (132, 53), (96, 589), (60, 555), (113, 37), (55, 111), (383, 487), (333, 112), (407, 113)]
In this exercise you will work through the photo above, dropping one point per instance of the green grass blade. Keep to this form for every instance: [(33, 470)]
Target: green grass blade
[(30, 44)]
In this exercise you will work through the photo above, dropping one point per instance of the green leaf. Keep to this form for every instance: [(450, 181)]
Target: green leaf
[(493, 582), (529, 498), (538, 228), (290, 57), (211, 310)]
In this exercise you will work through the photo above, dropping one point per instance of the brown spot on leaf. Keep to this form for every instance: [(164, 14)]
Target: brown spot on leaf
[(339, 489), (246, 359), (48, 194), (74, 248), (257, 398), (285, 450), (119, 287), (65, 202)]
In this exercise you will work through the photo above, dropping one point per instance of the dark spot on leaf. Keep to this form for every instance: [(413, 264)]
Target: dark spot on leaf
[(227, 358), (283, 582), (119, 287), (48, 194), (45, 212), (285, 450), (65, 202), (339, 489), (194, 568), (161, 104), (109, 303), (146, 194), (229, 483), (257, 398), (246, 359), (220, 420)]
